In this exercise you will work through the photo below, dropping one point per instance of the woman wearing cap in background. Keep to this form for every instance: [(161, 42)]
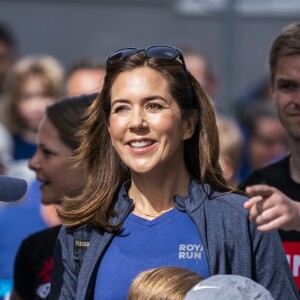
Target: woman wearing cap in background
[(155, 194)]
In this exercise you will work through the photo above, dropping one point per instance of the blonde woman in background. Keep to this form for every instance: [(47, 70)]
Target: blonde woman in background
[(33, 84)]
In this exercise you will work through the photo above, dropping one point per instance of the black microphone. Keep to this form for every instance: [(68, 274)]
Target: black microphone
[(12, 188)]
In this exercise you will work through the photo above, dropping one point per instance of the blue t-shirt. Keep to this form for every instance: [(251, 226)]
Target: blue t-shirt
[(169, 240)]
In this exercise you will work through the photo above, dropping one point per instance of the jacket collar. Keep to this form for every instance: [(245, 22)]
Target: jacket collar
[(197, 194), (123, 205)]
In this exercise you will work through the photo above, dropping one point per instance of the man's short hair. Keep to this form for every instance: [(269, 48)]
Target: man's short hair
[(90, 63), (287, 43)]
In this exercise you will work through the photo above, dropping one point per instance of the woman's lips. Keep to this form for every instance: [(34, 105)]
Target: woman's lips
[(141, 143), (141, 146)]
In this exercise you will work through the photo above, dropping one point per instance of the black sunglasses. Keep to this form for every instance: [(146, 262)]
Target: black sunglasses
[(163, 52)]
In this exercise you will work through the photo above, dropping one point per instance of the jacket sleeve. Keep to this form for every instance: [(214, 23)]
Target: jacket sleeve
[(271, 265), (235, 246), (63, 277)]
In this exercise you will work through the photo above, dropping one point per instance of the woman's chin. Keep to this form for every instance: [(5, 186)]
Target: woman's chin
[(50, 200)]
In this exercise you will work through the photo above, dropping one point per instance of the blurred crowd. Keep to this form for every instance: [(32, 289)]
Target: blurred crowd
[(28, 84)]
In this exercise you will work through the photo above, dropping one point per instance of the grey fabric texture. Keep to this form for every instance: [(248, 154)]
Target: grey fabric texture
[(228, 287)]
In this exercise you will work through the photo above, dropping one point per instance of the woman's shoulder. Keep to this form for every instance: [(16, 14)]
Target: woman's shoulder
[(214, 201), (228, 201), (209, 193), (226, 209), (40, 238)]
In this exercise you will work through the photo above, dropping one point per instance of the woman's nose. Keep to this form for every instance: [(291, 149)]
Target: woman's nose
[(33, 163), (137, 119)]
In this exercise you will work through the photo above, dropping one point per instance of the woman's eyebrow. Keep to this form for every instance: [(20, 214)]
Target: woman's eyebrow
[(145, 99)]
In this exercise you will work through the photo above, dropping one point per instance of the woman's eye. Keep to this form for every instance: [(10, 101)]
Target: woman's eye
[(46, 152), (120, 109), (154, 106)]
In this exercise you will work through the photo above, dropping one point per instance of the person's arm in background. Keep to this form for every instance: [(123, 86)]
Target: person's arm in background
[(271, 209)]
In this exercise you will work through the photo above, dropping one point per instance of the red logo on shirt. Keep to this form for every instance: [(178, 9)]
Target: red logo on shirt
[(45, 273), (292, 250)]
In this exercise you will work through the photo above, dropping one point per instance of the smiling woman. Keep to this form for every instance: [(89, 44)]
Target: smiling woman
[(155, 194)]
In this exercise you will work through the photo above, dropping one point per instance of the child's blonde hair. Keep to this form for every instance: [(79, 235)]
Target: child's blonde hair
[(170, 283)]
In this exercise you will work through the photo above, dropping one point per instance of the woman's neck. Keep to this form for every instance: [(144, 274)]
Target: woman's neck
[(295, 168), (155, 193), (49, 214)]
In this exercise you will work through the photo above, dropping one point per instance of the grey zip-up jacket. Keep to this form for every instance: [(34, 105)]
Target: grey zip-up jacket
[(231, 243)]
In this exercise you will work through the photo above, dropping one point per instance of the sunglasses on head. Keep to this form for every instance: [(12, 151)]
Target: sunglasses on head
[(163, 52)]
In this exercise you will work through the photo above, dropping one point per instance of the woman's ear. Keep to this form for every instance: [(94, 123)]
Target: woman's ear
[(191, 124), (108, 128)]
